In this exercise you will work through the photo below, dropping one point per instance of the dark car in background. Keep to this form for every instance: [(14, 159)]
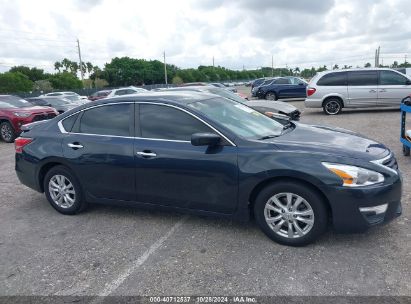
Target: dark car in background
[(269, 108), (99, 95), (267, 81), (282, 87), (204, 154), (258, 82), (223, 86), (16, 112), (60, 104)]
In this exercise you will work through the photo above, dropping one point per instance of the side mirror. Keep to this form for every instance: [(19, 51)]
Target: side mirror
[(205, 139)]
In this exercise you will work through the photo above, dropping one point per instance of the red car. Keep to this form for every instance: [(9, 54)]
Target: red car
[(99, 95), (15, 112)]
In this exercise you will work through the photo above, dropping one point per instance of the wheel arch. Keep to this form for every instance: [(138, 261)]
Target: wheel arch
[(260, 186), (46, 167), (335, 96)]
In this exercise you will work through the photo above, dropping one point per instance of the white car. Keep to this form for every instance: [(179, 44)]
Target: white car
[(126, 91), (63, 94)]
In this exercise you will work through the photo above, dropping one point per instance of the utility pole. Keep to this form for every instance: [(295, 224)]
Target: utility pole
[(79, 57), (272, 65), (213, 62), (378, 57), (165, 68), (405, 60)]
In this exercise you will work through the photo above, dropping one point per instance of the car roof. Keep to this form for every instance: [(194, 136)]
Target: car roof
[(183, 97), (356, 69)]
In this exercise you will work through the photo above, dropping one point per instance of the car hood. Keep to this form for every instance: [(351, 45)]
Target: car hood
[(331, 141), (276, 106), (34, 110)]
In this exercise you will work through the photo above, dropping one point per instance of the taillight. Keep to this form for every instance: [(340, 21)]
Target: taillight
[(310, 91), (20, 143)]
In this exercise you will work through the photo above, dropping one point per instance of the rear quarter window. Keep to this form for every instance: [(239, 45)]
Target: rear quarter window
[(68, 123)]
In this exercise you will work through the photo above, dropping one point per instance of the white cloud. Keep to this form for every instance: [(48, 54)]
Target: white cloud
[(236, 33)]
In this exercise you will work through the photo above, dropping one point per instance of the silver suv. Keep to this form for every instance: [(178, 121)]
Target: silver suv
[(357, 88)]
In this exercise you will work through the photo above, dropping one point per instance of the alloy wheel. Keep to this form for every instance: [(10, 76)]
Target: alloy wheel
[(289, 215), (332, 107), (6, 132), (62, 191)]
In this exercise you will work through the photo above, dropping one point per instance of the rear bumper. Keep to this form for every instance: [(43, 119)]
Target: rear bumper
[(27, 173), (313, 103), (353, 209)]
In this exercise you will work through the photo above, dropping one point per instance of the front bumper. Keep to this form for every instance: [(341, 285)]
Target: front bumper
[(352, 208)]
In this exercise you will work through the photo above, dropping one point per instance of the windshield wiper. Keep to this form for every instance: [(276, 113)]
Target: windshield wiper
[(268, 137)]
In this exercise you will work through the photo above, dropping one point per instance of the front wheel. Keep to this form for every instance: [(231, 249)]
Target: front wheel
[(332, 106), (405, 150), (271, 96), (291, 213), (7, 132)]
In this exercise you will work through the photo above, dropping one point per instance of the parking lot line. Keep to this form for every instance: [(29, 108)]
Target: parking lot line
[(113, 285)]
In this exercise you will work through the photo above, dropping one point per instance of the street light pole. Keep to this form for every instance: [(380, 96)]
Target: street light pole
[(165, 68)]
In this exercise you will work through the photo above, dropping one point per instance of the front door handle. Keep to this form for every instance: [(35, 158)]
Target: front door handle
[(75, 146), (373, 91), (147, 154), (382, 91)]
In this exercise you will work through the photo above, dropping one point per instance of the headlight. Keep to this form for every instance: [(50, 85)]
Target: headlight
[(21, 114), (355, 176)]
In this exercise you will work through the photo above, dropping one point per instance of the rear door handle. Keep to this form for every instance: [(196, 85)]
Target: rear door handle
[(373, 91), (147, 154), (383, 90), (75, 146)]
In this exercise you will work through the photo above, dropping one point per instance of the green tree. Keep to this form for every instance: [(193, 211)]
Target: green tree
[(367, 65), (65, 81), (33, 74), (14, 82), (177, 80), (42, 85)]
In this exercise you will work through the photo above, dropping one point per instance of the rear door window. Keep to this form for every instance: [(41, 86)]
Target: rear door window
[(362, 78), (108, 120), (283, 81), (333, 79)]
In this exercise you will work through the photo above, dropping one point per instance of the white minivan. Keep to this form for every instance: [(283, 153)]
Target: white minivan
[(357, 88)]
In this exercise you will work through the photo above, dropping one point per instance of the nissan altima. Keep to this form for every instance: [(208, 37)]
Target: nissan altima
[(203, 154)]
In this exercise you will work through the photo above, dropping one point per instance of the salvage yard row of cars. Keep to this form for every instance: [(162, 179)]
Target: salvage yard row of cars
[(59, 102)]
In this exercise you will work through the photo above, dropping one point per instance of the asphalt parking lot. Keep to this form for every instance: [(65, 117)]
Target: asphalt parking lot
[(127, 251)]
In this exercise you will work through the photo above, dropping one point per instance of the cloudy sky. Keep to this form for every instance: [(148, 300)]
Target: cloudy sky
[(236, 32)]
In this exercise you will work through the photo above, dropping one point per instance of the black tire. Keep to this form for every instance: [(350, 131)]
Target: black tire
[(79, 202), (406, 150), (7, 132), (315, 202), (271, 96), (332, 106)]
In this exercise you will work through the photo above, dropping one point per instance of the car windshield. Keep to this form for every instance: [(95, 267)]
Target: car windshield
[(238, 118), (227, 94), (13, 102)]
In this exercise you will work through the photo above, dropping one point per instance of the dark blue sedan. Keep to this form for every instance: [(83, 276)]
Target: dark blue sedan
[(282, 87), (201, 153)]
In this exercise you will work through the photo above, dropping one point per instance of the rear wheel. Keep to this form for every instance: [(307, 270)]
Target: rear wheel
[(332, 106), (63, 191), (271, 96), (291, 213), (405, 150), (7, 132)]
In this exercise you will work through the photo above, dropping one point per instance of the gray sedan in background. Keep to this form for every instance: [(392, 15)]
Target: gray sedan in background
[(274, 109)]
